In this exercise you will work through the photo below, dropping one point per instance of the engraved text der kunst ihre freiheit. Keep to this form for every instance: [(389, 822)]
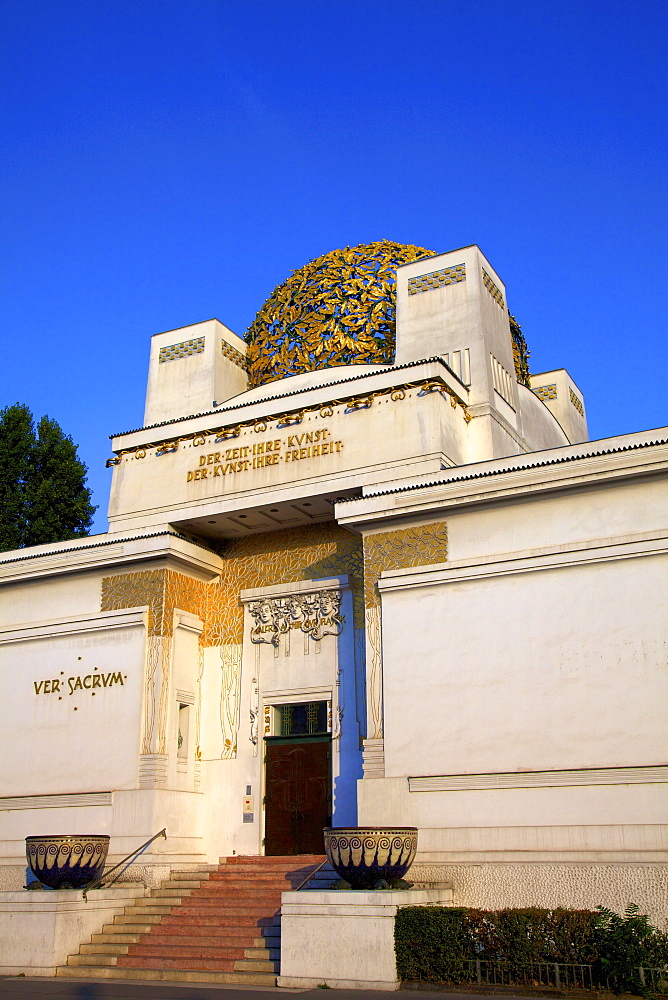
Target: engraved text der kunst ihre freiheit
[(243, 458)]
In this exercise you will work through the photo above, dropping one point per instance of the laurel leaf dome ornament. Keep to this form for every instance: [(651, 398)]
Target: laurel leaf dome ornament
[(339, 309)]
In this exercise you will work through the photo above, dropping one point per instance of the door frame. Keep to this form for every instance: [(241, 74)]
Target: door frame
[(293, 740), (273, 700)]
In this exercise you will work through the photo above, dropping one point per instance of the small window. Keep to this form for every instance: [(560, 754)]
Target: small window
[(303, 719), (182, 741)]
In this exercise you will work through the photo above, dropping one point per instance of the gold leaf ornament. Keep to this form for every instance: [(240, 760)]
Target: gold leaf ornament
[(339, 309)]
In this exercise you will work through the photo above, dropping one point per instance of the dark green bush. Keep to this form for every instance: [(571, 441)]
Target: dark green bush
[(530, 935), (430, 943), (436, 944), (625, 943)]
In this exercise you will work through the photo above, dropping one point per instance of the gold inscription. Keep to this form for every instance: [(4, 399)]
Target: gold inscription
[(292, 448), (90, 681)]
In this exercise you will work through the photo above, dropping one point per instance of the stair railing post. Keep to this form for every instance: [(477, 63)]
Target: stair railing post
[(131, 858)]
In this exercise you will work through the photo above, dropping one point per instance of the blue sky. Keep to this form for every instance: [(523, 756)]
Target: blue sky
[(166, 161)]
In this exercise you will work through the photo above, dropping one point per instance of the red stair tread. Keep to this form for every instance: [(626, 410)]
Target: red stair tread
[(201, 964), (206, 941), (271, 859), (184, 950), (213, 919), (210, 929), (203, 930)]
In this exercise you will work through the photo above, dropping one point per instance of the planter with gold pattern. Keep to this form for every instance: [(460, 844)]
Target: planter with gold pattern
[(365, 855), (67, 862)]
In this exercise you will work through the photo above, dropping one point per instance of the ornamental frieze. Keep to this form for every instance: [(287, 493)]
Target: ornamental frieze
[(317, 615)]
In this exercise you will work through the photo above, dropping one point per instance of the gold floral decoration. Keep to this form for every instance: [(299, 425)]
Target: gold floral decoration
[(401, 548), (275, 557), (162, 590), (339, 309), (520, 353), (134, 590), (287, 556)]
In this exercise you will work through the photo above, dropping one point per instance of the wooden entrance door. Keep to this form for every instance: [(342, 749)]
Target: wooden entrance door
[(298, 794)]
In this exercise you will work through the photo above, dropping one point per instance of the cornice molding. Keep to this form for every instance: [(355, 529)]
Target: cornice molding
[(508, 480), (113, 551), (513, 563), (641, 775), (259, 400)]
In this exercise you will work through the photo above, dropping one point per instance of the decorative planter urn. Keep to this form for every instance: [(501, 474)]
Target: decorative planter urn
[(67, 862), (365, 855)]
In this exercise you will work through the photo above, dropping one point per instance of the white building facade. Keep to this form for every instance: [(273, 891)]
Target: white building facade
[(376, 593)]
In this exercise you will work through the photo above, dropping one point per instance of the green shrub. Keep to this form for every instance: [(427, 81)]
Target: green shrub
[(439, 944), (626, 942), (525, 936), (430, 943)]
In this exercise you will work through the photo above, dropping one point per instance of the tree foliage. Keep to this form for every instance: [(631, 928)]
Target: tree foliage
[(17, 438), (625, 943), (43, 493)]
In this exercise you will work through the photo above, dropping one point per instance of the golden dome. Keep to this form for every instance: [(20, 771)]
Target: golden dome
[(339, 309)]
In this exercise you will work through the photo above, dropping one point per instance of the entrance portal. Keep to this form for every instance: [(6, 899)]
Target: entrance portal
[(298, 794)]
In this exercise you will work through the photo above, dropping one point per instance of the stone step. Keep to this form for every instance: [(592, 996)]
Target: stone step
[(222, 910), (250, 893), (177, 930), (260, 904), (244, 878), (201, 874), (133, 919), (220, 880), (271, 941), (189, 883), (272, 864), (151, 905), (224, 936), (171, 975), (182, 963), (268, 859), (195, 868), (263, 954), (230, 920), (115, 938), (186, 950), (92, 960), (192, 942), (118, 944), (111, 948), (248, 965), (253, 887), (269, 865), (149, 909), (217, 924), (171, 893), (277, 883)]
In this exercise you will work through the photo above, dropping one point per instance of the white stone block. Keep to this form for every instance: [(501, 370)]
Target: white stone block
[(345, 939), (38, 930)]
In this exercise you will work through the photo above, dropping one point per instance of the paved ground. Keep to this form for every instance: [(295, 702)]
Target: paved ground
[(20, 988)]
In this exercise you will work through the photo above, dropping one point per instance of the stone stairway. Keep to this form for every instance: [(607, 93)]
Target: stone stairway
[(216, 924)]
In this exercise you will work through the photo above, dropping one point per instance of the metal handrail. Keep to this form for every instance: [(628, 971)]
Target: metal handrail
[(311, 875), (131, 858)]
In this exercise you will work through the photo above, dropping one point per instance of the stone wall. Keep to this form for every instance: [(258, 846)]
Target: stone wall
[(13, 877), (573, 886)]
